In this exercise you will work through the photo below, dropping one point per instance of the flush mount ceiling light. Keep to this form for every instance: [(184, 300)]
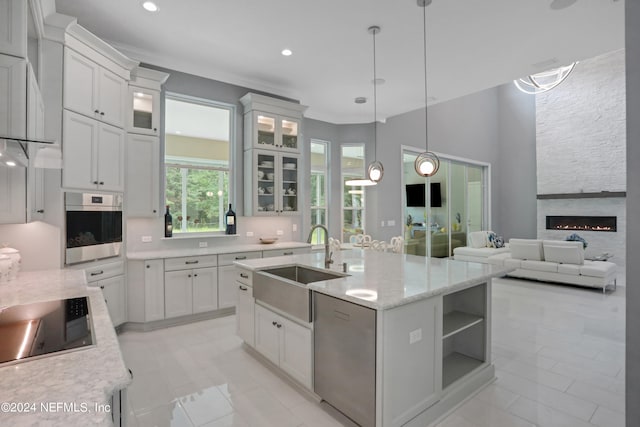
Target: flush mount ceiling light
[(150, 6), (286, 52), (375, 171), (544, 81), (427, 163)]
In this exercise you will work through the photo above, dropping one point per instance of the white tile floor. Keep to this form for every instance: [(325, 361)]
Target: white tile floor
[(558, 352)]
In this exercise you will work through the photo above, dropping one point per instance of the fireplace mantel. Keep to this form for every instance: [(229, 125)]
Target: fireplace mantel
[(600, 195)]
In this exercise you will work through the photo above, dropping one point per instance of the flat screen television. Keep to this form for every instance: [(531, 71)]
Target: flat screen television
[(416, 195)]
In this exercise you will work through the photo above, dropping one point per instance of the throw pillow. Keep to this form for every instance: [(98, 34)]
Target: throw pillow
[(576, 238), (491, 239), (478, 239), (499, 242)]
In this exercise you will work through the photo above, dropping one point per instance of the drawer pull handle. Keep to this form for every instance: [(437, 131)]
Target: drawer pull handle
[(40, 211), (288, 253), (241, 257), (278, 326), (244, 276), (97, 273), (102, 287), (274, 323), (191, 262), (242, 288), (148, 266)]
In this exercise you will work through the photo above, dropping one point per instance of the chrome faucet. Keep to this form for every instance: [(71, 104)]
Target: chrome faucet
[(327, 255)]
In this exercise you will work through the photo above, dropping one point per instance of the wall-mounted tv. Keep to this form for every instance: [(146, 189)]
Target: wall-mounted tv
[(416, 195)]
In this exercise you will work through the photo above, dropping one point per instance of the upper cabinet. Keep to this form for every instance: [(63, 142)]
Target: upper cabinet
[(13, 27), (92, 90), (143, 102), (272, 124)]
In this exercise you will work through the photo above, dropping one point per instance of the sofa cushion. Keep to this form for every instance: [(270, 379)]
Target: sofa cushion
[(498, 259), (512, 262), (540, 266), (563, 252), (479, 252), (597, 268), (529, 249), (478, 239), (570, 269)]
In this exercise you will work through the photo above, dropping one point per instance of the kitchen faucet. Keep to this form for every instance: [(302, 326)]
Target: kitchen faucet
[(327, 255)]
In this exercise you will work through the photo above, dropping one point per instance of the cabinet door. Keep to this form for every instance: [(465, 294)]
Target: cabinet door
[(111, 98), (113, 291), (264, 130), (265, 175), (80, 84), (13, 25), (13, 187), (110, 158), (295, 351), (153, 290), (205, 289), (80, 136), (288, 186), (227, 287), (13, 100), (267, 333), (178, 294), (35, 130), (288, 134), (143, 111), (245, 313), (143, 176)]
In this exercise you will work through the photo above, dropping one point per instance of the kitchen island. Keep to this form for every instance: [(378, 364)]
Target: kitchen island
[(429, 345), (76, 388)]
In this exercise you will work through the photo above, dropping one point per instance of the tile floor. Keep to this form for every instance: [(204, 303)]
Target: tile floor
[(558, 352)]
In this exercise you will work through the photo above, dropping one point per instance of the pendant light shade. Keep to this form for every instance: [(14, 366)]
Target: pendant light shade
[(427, 163), (375, 171)]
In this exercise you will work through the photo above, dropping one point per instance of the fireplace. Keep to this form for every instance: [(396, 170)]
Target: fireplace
[(584, 223)]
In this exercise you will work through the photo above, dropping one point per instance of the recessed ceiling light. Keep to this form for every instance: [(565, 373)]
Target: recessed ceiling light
[(286, 52), (139, 94), (10, 163), (150, 6)]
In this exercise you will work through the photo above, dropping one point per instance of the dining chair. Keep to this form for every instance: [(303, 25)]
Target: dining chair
[(397, 244), (378, 245)]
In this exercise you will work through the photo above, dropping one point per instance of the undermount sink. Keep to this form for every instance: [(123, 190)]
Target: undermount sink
[(283, 288)]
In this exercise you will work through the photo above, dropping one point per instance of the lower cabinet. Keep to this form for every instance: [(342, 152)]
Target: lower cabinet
[(227, 286), (286, 343), (245, 313), (114, 296), (153, 290), (190, 291)]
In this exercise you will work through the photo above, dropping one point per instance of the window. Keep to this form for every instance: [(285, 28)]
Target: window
[(319, 173), (197, 162), (353, 167)]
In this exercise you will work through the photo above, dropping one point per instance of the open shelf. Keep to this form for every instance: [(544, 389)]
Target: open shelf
[(456, 366), (457, 321)]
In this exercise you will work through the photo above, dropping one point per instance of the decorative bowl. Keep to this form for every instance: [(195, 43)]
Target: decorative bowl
[(268, 240)]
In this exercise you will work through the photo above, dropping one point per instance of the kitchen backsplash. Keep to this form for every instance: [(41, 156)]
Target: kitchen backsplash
[(39, 244)]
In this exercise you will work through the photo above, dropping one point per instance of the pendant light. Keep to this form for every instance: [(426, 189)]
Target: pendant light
[(375, 171), (427, 163)]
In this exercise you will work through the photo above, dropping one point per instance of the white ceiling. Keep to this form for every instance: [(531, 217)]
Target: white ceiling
[(472, 44)]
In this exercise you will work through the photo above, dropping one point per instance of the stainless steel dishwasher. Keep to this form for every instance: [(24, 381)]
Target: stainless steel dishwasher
[(345, 357)]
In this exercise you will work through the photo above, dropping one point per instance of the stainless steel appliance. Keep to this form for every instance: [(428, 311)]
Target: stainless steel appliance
[(94, 226), (39, 329), (345, 357)]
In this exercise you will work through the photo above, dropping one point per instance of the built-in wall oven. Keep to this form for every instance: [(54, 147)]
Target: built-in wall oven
[(94, 226)]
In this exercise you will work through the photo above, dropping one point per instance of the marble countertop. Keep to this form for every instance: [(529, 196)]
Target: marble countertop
[(86, 377), (227, 249), (382, 280)]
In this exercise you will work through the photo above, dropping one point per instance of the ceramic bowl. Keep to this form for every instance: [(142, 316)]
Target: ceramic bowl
[(270, 176), (270, 189), (260, 174)]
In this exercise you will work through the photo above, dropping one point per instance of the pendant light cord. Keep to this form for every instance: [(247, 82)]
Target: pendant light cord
[(426, 99), (375, 100)]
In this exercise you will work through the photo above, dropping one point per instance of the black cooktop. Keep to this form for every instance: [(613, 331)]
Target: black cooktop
[(42, 328)]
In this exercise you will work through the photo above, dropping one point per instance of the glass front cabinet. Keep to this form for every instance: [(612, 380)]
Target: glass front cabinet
[(274, 179)]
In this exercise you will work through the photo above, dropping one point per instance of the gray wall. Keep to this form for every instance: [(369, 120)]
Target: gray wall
[(632, 17)]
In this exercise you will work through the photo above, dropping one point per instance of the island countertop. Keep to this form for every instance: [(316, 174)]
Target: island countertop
[(382, 280), (86, 376)]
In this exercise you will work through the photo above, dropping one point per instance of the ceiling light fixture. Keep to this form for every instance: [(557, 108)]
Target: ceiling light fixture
[(286, 52), (150, 6), (375, 171), (10, 163), (544, 81), (427, 163)]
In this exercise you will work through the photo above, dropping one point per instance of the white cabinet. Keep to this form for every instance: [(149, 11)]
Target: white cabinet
[(93, 154), (285, 343), (13, 27), (189, 290), (35, 130), (245, 318), (285, 252), (114, 295), (143, 113), (143, 176), (12, 194), (178, 293), (205, 289), (153, 290), (271, 183), (92, 90), (228, 274)]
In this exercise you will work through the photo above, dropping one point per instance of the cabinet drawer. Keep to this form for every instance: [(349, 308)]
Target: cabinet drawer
[(284, 252), (228, 259), (243, 276), (104, 271), (183, 263)]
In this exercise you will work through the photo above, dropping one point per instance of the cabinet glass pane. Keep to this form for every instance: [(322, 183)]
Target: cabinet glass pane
[(289, 134), (266, 130), (266, 182), (289, 184), (142, 110)]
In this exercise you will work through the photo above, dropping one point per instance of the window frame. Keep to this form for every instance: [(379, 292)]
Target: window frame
[(326, 173)]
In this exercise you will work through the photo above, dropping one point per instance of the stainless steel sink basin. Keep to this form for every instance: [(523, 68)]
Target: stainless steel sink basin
[(285, 288)]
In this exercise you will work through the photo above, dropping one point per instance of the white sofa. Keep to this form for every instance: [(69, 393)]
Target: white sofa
[(477, 249), (555, 261)]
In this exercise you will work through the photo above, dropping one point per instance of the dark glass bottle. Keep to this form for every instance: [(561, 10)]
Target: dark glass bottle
[(168, 224), (230, 221)]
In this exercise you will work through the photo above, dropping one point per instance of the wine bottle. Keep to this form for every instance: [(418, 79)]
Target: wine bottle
[(168, 224), (230, 221)]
